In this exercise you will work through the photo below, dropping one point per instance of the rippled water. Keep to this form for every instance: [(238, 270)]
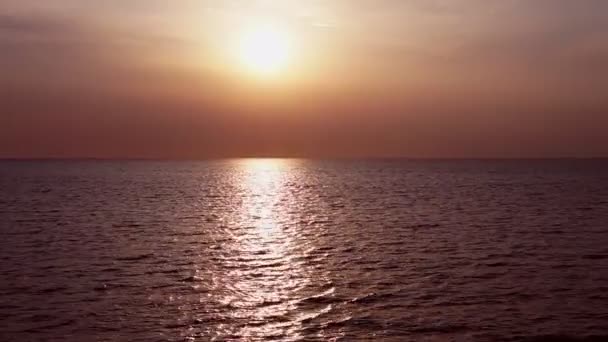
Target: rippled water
[(304, 250)]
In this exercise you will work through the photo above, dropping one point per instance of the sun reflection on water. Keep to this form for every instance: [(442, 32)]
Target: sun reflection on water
[(266, 275), (264, 180)]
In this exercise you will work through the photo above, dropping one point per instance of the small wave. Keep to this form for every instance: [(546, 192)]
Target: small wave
[(38, 318), (64, 323), (177, 325), (372, 298), (267, 303), (595, 256), (110, 269), (325, 297), (364, 322), (127, 225), (306, 318), (171, 271), (495, 264), (441, 328), (424, 225), (192, 279), (135, 257), (108, 287), (50, 290)]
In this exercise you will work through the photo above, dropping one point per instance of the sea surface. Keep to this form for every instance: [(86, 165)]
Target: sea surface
[(304, 250)]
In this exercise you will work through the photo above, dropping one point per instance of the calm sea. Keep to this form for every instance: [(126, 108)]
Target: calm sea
[(306, 250)]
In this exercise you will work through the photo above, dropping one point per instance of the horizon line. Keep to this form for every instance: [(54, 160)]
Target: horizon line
[(345, 158)]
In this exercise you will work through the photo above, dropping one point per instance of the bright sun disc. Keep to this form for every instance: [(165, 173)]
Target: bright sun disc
[(265, 50)]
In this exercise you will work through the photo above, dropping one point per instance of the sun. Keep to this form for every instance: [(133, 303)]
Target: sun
[(265, 50)]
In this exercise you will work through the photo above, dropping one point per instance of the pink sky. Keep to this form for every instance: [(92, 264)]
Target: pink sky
[(156, 79)]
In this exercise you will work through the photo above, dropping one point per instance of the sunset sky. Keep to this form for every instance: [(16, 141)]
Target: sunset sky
[(331, 78)]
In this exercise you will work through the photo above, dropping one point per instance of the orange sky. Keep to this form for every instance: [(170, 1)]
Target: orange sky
[(159, 79)]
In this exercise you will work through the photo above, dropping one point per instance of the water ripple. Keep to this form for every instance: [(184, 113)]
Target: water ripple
[(294, 250)]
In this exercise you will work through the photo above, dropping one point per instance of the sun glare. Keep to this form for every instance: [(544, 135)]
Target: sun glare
[(265, 50)]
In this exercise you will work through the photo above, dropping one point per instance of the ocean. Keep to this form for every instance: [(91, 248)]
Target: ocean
[(304, 250)]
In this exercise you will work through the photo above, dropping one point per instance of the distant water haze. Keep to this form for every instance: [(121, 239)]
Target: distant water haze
[(314, 250)]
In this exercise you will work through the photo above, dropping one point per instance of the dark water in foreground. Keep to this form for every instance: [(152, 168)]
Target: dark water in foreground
[(304, 250)]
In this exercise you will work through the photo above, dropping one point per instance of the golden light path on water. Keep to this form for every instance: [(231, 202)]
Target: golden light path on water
[(270, 274)]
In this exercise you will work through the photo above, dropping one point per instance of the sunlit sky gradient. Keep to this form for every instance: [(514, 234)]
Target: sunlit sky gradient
[(365, 78)]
